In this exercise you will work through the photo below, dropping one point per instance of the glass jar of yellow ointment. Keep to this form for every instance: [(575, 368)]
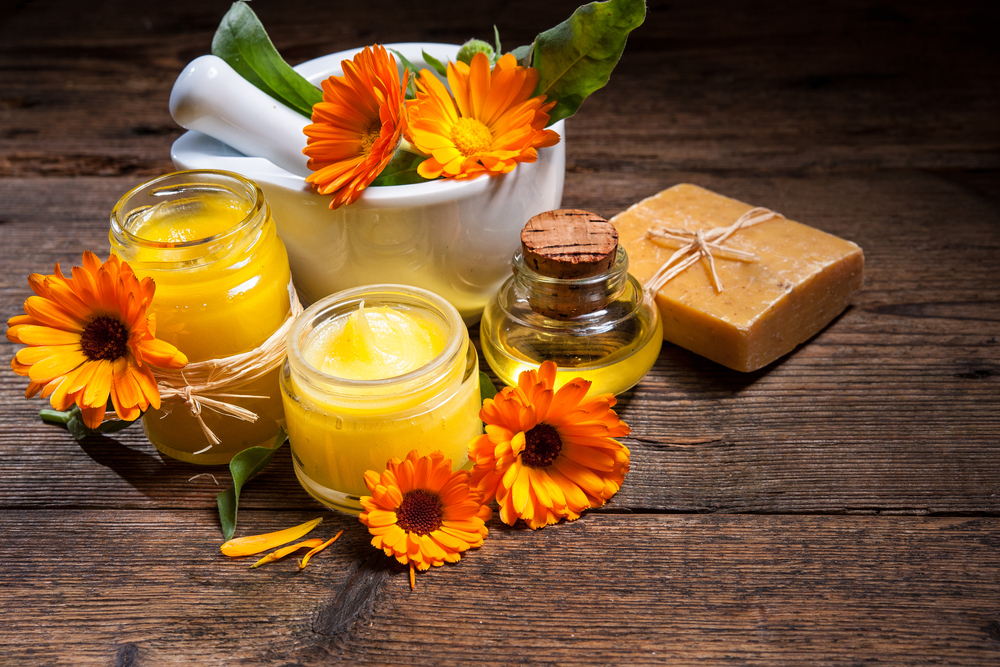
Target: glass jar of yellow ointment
[(223, 289), (372, 373)]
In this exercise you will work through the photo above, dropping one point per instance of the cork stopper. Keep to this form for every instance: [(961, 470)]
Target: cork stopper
[(569, 244)]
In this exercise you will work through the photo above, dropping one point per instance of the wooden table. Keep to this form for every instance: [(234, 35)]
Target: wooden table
[(841, 506)]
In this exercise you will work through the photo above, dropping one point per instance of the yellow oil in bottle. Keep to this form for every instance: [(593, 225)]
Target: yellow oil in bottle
[(612, 346)]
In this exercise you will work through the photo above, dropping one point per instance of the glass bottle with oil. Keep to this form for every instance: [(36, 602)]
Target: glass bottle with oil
[(571, 300)]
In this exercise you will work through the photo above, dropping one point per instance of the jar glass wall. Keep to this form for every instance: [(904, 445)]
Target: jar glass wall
[(613, 342), (340, 428), (223, 287)]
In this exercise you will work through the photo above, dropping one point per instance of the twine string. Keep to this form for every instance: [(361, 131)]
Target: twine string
[(702, 246), (205, 384)]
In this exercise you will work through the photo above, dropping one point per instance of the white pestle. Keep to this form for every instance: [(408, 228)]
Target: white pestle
[(210, 97)]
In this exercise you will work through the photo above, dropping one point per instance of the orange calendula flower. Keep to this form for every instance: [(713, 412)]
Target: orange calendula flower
[(89, 337), (422, 513), (490, 125), (356, 128), (548, 455)]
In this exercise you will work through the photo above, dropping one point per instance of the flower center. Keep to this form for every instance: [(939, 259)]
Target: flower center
[(420, 512), (542, 445), (471, 137), (371, 135), (104, 338)]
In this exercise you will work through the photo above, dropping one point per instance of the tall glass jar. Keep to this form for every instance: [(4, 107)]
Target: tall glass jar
[(341, 427), (223, 287)]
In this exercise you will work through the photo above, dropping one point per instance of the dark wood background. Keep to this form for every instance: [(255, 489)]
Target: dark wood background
[(840, 507)]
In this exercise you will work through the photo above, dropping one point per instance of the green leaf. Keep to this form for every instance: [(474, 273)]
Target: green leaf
[(438, 66), (244, 465), (243, 43), (523, 54), (486, 387), (411, 85), (497, 51), (226, 502), (576, 57), (402, 170), (72, 421)]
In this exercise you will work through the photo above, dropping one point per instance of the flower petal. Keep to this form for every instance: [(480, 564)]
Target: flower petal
[(254, 544), (99, 387), (162, 354), (39, 335), (65, 359)]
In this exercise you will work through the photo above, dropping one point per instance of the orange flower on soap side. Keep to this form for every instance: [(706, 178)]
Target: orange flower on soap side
[(491, 124), (422, 513), (356, 128), (548, 455), (89, 337)]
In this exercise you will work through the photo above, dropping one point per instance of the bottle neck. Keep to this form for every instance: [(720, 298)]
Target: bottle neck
[(572, 298)]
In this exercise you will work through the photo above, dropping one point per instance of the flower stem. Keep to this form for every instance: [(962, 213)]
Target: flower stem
[(57, 417)]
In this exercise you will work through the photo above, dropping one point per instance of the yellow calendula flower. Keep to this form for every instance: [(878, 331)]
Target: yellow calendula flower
[(356, 128), (422, 513), (548, 455), (491, 124), (89, 338)]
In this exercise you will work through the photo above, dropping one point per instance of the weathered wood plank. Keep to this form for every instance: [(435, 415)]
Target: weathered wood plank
[(707, 86), (603, 590), (875, 121), (893, 408)]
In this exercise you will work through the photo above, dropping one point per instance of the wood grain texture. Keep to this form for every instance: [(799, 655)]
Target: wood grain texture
[(838, 507), (892, 408), (713, 86), (603, 590)]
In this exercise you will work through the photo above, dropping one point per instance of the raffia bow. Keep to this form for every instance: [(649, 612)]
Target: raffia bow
[(204, 384), (702, 245)]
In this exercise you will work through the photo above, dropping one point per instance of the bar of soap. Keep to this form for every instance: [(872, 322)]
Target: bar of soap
[(801, 280)]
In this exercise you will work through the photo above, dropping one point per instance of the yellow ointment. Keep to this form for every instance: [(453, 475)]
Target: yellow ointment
[(185, 220), (375, 343), (370, 382), (222, 288)]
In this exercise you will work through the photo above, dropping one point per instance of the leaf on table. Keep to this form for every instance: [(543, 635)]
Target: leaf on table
[(576, 57), (486, 386), (244, 466), (72, 421), (243, 43)]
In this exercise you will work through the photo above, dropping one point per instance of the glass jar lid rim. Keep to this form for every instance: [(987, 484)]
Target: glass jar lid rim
[(254, 193), (399, 294)]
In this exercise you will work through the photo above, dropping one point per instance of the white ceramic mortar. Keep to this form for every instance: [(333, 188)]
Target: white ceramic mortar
[(454, 238)]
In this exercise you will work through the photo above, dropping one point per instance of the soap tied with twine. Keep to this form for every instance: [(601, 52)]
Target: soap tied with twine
[(702, 246), (206, 384)]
